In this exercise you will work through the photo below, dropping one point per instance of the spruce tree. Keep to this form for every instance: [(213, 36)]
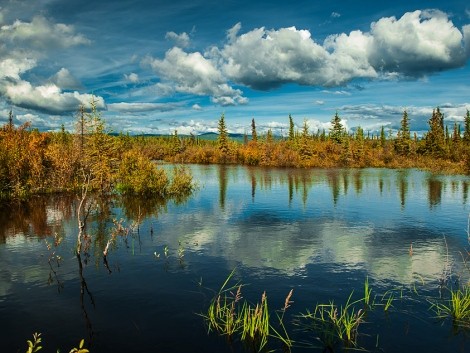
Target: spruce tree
[(383, 137), (403, 141), (304, 142), (435, 138), (254, 136), (466, 134), (223, 137), (337, 130), (10, 121), (291, 129)]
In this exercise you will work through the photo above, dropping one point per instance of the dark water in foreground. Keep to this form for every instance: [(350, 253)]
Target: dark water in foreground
[(318, 232)]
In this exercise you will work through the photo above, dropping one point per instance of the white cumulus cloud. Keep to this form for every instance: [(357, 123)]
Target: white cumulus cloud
[(193, 73), (418, 43), (25, 45), (41, 34), (48, 98)]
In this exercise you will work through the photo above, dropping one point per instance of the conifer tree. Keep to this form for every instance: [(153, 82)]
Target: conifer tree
[(304, 141), (254, 135), (466, 134), (10, 121), (403, 141), (435, 138), (291, 129), (337, 129), (223, 137), (269, 136), (383, 138)]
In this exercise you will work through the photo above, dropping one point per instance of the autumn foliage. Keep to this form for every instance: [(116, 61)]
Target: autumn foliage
[(39, 162), (33, 162)]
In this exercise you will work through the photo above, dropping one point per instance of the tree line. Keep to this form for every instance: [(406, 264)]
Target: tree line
[(39, 162), (440, 149)]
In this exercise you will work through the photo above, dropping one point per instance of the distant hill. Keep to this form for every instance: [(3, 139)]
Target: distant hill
[(207, 136)]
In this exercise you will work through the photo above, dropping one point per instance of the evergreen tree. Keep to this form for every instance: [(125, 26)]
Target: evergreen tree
[(10, 121), (466, 134), (304, 142), (435, 138), (269, 136), (291, 129), (254, 136), (223, 137), (360, 134), (403, 141), (337, 129)]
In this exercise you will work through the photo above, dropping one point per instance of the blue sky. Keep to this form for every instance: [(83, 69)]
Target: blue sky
[(157, 66)]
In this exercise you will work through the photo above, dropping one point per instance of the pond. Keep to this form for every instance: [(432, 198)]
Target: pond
[(322, 233)]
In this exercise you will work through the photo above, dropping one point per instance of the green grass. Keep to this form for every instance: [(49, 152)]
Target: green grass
[(457, 307), (251, 324), (334, 325), (255, 325)]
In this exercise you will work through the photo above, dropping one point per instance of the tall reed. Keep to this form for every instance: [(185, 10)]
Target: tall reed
[(334, 324), (233, 317)]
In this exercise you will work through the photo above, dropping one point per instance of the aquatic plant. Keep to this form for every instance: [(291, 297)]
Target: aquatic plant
[(255, 323), (388, 298), (367, 294), (35, 345), (223, 314), (334, 324), (233, 317), (456, 307), (80, 348)]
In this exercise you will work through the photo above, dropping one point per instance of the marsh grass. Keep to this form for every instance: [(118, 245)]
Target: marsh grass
[(335, 325), (387, 300), (457, 307), (223, 312), (368, 294), (251, 324), (255, 323)]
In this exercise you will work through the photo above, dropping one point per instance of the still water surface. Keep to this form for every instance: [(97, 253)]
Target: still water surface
[(318, 232)]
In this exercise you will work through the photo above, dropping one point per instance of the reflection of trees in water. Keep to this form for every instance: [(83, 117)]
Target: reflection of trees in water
[(84, 290), (222, 185), (252, 175), (434, 191), (346, 182), (135, 208), (403, 186), (358, 179), (333, 181), (39, 216), (465, 192), (290, 183)]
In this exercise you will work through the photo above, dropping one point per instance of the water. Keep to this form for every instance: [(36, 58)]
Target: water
[(319, 232)]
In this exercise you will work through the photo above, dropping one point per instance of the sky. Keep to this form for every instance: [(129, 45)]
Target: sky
[(156, 66)]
